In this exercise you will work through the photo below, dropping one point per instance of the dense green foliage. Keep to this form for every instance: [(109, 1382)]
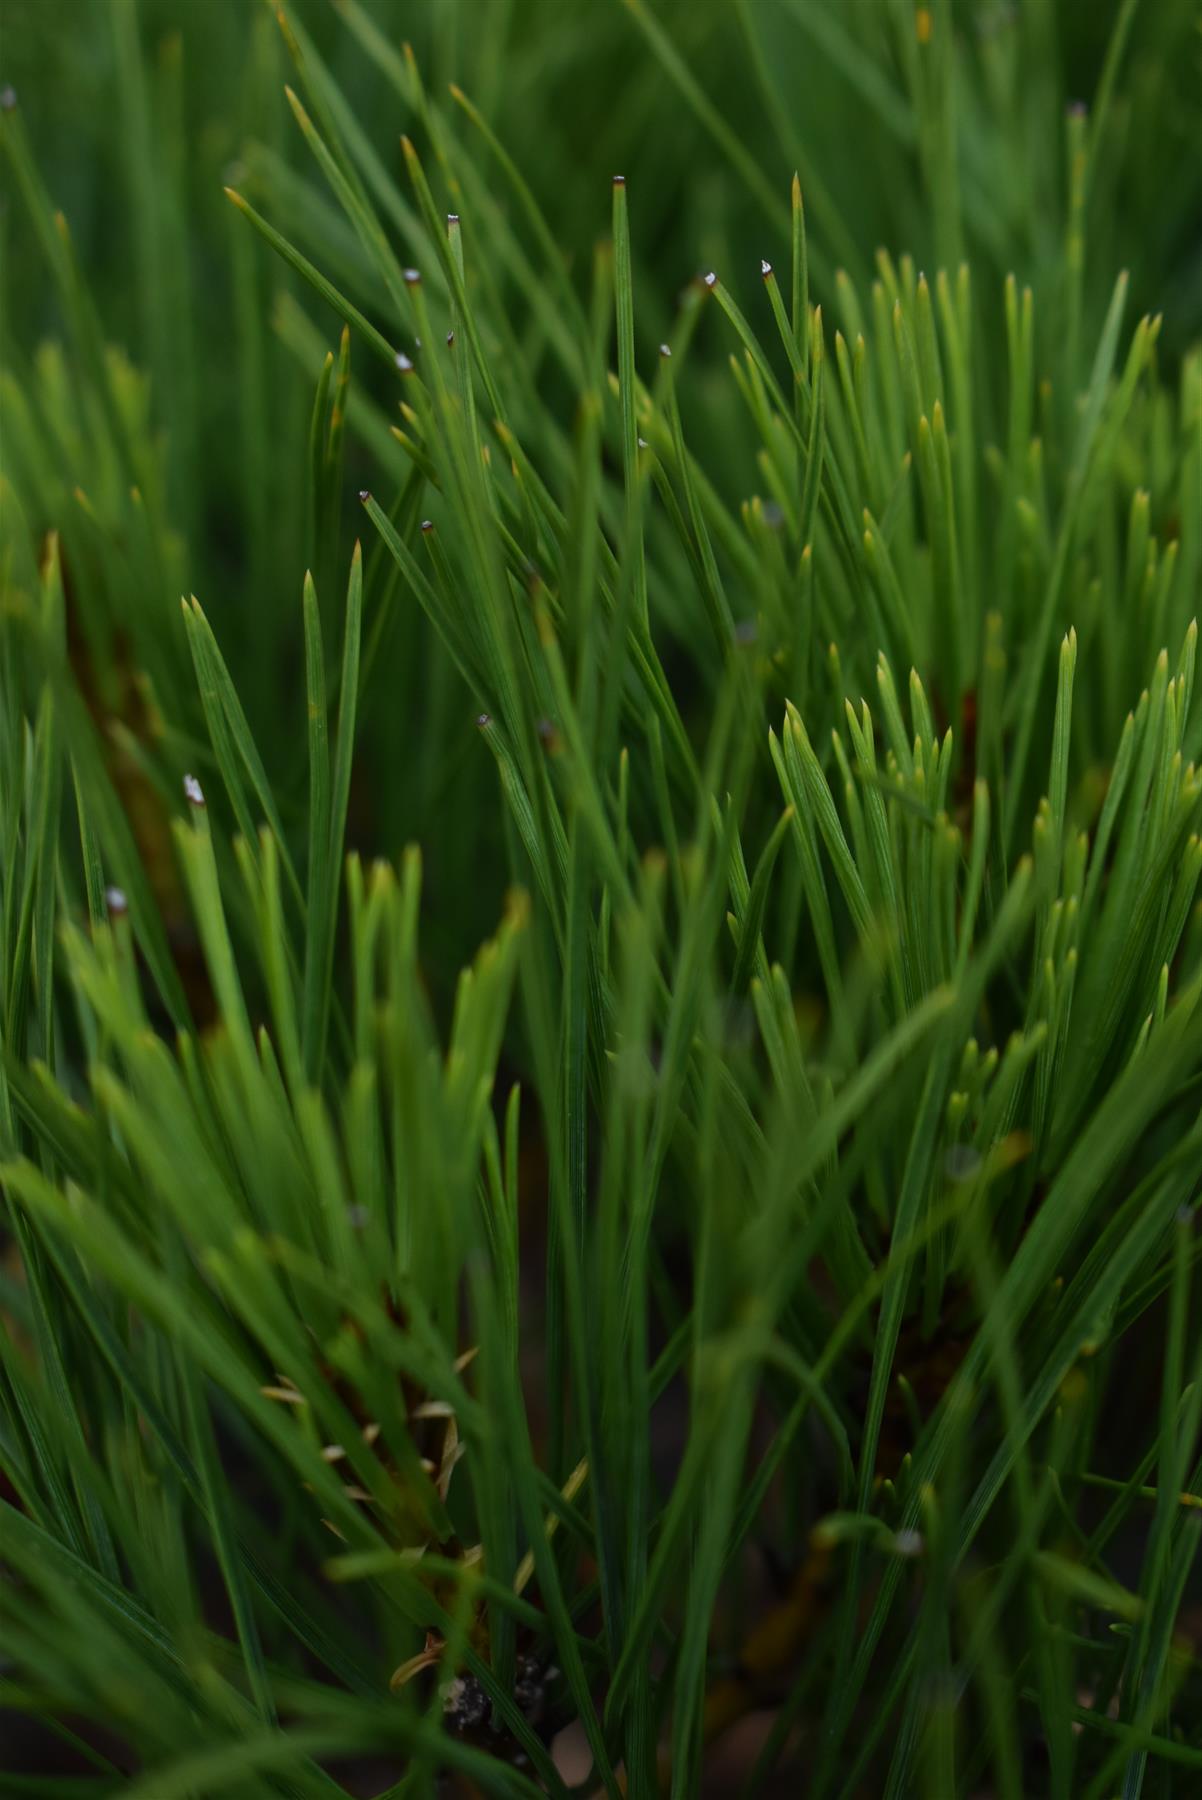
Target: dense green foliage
[(748, 1322)]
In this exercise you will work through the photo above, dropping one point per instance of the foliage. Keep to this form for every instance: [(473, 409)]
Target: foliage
[(763, 1283)]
